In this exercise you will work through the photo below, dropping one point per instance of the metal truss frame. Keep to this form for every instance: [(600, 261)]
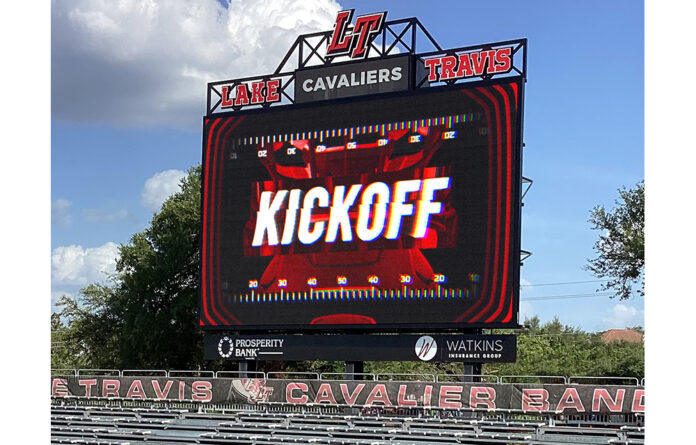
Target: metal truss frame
[(398, 37)]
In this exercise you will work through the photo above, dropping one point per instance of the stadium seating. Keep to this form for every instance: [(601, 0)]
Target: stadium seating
[(114, 424)]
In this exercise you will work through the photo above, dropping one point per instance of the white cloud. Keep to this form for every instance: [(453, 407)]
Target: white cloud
[(526, 287), (100, 215), (622, 316), (60, 212), (147, 62), (526, 311), (79, 265), (160, 187), (526, 308)]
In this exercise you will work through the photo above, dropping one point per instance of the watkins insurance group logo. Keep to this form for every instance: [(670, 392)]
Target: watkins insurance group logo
[(426, 348), (354, 41)]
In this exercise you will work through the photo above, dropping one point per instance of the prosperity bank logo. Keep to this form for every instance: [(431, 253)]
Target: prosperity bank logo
[(353, 42), (225, 351), (426, 348)]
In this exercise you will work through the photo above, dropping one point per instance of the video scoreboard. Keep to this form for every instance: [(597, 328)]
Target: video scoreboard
[(399, 211)]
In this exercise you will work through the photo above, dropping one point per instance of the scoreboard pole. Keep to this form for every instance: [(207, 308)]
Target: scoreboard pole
[(245, 367), (472, 371), (354, 370)]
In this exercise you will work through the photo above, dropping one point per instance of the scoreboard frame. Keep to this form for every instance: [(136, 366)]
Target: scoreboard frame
[(418, 84)]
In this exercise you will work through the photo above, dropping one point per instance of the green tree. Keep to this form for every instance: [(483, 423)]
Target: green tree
[(620, 248), (147, 316), (556, 349), (63, 352)]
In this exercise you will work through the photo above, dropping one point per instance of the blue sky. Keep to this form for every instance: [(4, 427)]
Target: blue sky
[(128, 92)]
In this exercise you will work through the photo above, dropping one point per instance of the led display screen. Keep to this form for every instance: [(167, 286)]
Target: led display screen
[(397, 212)]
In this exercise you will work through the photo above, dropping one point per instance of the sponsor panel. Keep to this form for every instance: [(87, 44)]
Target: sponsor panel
[(436, 348)]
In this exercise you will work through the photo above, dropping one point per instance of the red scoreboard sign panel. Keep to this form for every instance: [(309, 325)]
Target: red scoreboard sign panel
[(385, 211)]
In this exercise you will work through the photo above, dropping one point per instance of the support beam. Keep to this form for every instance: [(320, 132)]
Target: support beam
[(353, 368), (246, 366), (471, 371)]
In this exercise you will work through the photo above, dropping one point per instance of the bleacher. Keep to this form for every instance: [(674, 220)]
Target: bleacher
[(77, 419), (77, 424)]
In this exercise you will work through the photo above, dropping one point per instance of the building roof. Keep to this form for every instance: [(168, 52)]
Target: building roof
[(629, 335)]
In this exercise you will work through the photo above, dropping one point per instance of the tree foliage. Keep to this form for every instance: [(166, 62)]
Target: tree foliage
[(556, 349), (620, 248), (63, 353), (146, 317)]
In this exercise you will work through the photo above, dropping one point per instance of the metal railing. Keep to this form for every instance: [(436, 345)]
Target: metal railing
[(597, 379), (398, 377), (538, 378), (286, 375), (191, 373), (408, 377), (495, 426), (346, 376), (107, 372), (241, 374), (144, 373), (59, 371), (466, 378)]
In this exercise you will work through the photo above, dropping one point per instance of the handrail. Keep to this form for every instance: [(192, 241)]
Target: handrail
[(430, 376), (288, 373), (539, 377), (190, 372), (421, 408), (239, 374), (481, 376), (115, 372), (143, 372), (588, 377), (346, 374)]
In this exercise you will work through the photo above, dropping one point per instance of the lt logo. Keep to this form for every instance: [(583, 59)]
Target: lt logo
[(354, 42)]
